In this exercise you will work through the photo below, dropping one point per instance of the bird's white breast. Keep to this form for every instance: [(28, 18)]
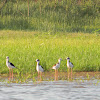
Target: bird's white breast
[(56, 66), (39, 68), (9, 65), (69, 64)]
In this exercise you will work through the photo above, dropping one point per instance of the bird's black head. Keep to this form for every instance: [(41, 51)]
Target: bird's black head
[(7, 57), (37, 60), (67, 58)]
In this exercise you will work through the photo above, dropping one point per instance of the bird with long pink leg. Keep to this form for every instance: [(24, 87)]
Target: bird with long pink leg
[(10, 66), (55, 67), (39, 69), (69, 65)]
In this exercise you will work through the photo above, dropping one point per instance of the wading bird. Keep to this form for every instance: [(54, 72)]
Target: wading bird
[(39, 69), (10, 66), (56, 66), (69, 65)]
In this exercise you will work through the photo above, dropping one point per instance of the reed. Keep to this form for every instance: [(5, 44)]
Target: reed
[(23, 48), (51, 16)]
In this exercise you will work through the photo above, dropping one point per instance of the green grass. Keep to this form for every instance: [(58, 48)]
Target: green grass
[(48, 16), (23, 48)]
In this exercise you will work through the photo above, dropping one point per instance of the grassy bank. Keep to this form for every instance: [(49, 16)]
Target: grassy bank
[(51, 16), (24, 48)]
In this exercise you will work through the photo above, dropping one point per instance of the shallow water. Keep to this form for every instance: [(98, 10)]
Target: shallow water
[(51, 90)]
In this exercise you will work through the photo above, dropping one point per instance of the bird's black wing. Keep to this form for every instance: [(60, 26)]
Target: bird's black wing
[(12, 64), (41, 66), (72, 63)]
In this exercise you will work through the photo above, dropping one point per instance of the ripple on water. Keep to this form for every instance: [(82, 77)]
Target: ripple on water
[(47, 90)]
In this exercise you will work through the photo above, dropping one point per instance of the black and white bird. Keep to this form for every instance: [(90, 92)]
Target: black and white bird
[(56, 66), (10, 66), (69, 65), (39, 69)]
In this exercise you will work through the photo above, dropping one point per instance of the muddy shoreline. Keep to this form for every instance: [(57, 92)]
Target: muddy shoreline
[(61, 75)]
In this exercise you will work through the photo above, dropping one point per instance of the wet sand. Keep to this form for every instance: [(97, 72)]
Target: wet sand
[(63, 75), (79, 75)]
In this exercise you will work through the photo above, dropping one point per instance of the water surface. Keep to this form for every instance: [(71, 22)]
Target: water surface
[(51, 90)]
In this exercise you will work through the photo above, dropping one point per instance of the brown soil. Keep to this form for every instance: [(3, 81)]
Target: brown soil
[(76, 75), (63, 75)]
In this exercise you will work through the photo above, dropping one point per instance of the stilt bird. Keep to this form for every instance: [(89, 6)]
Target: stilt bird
[(39, 69), (56, 66), (69, 65), (10, 66)]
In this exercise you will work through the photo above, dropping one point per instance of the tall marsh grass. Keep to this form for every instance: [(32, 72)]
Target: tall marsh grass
[(48, 15), (23, 48)]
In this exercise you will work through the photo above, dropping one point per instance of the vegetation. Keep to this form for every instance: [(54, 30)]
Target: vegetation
[(58, 27), (51, 15), (23, 48)]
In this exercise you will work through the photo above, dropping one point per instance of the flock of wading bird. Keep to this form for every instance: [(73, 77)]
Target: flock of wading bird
[(40, 69)]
